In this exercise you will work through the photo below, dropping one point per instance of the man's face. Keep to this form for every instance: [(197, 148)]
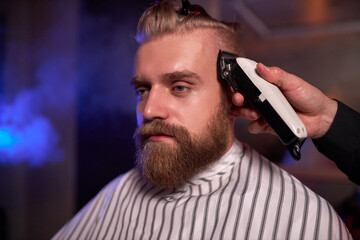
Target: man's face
[(181, 112)]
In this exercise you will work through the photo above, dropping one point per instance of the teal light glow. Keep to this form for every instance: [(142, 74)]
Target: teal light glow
[(6, 139)]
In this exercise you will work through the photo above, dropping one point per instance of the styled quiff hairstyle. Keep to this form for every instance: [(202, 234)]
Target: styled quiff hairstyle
[(163, 18)]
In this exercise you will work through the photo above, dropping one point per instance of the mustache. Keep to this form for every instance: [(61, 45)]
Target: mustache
[(159, 127)]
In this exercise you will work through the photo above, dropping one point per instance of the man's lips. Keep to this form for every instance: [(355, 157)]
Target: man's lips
[(158, 137)]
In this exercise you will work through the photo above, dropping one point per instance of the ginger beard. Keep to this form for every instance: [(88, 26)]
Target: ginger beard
[(170, 165)]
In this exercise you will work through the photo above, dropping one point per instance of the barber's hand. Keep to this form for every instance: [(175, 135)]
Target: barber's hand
[(314, 108)]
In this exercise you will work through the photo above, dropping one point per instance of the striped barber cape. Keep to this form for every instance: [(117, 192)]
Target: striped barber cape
[(241, 196)]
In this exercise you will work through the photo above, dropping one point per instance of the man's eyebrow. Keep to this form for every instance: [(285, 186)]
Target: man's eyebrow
[(177, 75), (180, 75), (137, 80)]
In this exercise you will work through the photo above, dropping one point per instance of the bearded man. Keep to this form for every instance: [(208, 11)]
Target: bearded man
[(193, 180)]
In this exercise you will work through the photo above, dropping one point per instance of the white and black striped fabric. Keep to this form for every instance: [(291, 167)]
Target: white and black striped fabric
[(243, 196)]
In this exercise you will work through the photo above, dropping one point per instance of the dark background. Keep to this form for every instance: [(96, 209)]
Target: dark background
[(67, 110)]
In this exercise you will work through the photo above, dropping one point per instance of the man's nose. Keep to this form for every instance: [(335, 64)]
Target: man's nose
[(156, 106)]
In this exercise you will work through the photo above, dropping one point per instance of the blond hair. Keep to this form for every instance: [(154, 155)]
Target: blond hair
[(163, 18)]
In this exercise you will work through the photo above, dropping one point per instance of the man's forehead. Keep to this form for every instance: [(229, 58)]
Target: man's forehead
[(194, 52), (204, 40)]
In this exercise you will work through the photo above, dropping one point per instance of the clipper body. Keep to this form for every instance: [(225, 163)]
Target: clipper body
[(240, 73)]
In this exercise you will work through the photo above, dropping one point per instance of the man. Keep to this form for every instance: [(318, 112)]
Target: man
[(193, 179), (333, 126)]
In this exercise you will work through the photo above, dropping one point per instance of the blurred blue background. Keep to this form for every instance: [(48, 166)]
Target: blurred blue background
[(66, 107), (67, 110)]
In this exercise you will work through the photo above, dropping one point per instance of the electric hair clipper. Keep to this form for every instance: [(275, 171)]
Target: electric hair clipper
[(240, 73)]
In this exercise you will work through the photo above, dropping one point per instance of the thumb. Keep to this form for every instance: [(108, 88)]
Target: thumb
[(285, 81)]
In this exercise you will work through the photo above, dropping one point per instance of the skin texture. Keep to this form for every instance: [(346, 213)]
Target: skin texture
[(314, 108), (175, 80)]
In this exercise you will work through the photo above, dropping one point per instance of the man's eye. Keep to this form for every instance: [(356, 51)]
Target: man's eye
[(141, 92), (180, 88)]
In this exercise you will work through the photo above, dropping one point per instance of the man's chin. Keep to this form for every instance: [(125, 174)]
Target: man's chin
[(159, 166)]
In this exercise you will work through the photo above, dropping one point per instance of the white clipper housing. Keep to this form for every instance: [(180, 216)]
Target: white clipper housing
[(240, 73)]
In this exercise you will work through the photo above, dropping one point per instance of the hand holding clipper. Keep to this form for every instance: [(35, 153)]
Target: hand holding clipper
[(240, 73)]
